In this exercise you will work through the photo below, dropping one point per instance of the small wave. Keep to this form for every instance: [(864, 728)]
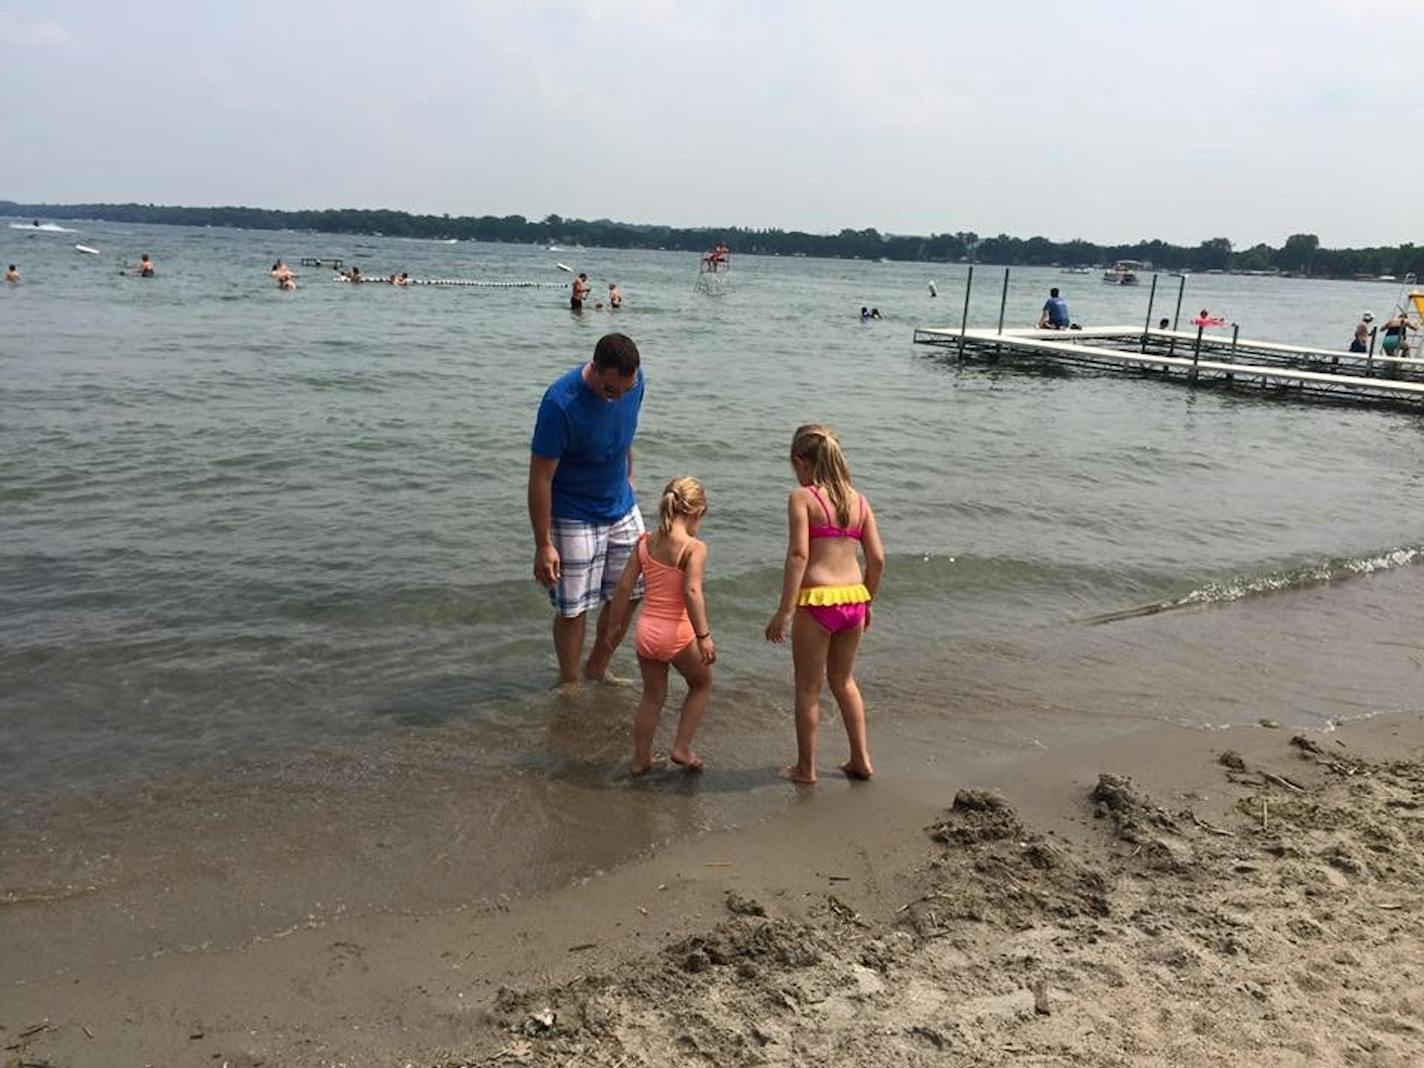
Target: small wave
[(1317, 573)]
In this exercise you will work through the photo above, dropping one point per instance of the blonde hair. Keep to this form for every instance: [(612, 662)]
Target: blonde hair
[(683, 496), (818, 446)]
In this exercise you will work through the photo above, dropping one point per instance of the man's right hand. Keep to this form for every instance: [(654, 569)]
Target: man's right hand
[(546, 565)]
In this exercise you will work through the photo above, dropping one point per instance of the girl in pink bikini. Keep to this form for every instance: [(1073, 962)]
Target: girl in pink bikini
[(672, 627), (825, 598)]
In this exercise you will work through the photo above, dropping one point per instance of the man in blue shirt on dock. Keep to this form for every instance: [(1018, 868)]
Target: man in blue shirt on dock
[(1055, 312)]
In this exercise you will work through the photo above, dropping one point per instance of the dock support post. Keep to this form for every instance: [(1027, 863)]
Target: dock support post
[(1003, 300), (1196, 353), (1177, 315), (1147, 325), (1231, 356), (1370, 359), (964, 321)]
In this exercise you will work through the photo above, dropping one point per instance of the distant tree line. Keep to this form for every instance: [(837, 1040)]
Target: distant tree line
[(1300, 255)]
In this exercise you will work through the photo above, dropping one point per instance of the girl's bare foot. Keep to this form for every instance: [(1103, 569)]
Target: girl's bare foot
[(689, 760), (794, 773), (857, 771)]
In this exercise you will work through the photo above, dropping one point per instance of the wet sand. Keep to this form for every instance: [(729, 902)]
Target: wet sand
[(1185, 911), (423, 820)]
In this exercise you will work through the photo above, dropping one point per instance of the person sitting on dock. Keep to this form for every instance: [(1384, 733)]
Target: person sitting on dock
[(1055, 312), (1361, 340)]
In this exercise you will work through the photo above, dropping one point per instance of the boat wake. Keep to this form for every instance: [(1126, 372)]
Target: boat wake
[(1241, 587)]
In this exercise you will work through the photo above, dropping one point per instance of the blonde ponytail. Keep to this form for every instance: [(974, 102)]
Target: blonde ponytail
[(819, 447), (682, 496)]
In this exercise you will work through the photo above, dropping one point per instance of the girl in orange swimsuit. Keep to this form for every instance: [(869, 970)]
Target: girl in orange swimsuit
[(825, 597), (672, 627)]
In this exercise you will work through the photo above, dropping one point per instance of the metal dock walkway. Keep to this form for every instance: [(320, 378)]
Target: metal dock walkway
[(1198, 359)]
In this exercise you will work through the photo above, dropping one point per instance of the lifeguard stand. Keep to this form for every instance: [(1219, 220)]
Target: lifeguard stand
[(714, 272)]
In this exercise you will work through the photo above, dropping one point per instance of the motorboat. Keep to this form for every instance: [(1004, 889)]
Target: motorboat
[(1122, 273)]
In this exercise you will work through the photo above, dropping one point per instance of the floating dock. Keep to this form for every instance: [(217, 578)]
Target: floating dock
[(1199, 359)]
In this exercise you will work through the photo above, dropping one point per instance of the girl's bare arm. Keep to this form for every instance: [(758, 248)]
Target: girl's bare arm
[(692, 587), (798, 549), (623, 593), (696, 607), (874, 551)]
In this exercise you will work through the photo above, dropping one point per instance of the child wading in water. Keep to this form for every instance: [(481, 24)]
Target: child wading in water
[(824, 597), (672, 627)]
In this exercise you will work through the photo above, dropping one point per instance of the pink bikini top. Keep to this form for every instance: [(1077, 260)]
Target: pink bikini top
[(830, 530)]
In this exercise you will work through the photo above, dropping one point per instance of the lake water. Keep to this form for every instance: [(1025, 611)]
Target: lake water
[(266, 614)]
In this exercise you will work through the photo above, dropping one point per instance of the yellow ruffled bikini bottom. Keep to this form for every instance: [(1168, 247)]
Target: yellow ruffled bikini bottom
[(833, 595)]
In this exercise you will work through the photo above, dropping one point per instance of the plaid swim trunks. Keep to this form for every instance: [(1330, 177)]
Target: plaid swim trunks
[(592, 557)]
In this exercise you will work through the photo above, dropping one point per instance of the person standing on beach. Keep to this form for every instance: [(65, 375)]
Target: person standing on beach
[(672, 627), (12, 274), (582, 507), (579, 293), (825, 598)]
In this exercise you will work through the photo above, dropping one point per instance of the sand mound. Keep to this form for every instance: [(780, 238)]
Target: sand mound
[(1290, 936)]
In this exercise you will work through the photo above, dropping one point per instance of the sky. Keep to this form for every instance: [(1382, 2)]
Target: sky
[(1109, 121)]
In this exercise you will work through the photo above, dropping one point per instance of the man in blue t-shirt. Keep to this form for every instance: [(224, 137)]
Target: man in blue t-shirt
[(1055, 312), (581, 505)]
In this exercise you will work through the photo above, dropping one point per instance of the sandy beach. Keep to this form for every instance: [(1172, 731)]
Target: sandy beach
[(1169, 896)]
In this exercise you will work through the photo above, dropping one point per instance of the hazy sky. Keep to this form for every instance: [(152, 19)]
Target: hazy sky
[(1250, 119)]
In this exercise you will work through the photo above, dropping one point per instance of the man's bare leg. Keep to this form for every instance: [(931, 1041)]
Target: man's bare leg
[(568, 646), (597, 666)]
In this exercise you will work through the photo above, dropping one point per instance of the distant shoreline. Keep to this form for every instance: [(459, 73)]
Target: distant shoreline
[(1300, 255)]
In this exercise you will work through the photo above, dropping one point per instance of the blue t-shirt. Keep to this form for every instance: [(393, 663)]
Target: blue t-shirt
[(590, 437), (1057, 309)]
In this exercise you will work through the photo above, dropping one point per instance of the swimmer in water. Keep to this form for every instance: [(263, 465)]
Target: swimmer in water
[(145, 266), (1204, 318), (579, 293), (12, 274), (615, 298)]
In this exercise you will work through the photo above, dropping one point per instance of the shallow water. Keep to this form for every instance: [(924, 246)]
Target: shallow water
[(270, 551)]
